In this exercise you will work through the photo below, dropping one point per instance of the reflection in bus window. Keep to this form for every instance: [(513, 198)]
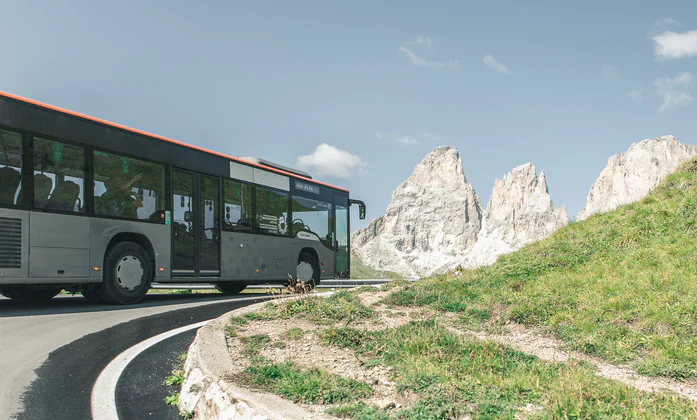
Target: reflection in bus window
[(271, 211), (238, 206), (64, 166), (314, 217), (128, 188), (10, 168)]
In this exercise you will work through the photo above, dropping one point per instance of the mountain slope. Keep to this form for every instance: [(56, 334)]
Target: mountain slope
[(621, 285)]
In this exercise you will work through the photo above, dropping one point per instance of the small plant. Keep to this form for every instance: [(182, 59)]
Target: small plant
[(254, 343), (295, 333), (173, 399), (295, 286), (230, 331)]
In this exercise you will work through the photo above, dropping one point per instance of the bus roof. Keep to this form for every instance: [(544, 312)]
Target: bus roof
[(177, 142)]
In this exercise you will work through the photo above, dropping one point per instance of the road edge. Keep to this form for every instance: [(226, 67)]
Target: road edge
[(207, 394)]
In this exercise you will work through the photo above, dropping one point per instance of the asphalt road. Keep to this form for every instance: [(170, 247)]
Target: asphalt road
[(51, 354)]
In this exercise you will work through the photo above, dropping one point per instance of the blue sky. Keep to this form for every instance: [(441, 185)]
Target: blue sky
[(563, 85)]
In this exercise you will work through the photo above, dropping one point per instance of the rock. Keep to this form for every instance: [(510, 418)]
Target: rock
[(520, 211), (629, 176), (435, 220), (434, 215)]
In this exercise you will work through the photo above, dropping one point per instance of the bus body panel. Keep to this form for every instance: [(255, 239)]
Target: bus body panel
[(275, 257), (59, 246), (102, 231), (14, 245)]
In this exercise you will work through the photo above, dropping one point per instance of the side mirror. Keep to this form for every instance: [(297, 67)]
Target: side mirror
[(361, 208), (188, 217)]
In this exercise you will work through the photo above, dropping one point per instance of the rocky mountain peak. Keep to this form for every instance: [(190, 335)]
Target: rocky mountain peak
[(629, 176), (433, 216), (519, 211)]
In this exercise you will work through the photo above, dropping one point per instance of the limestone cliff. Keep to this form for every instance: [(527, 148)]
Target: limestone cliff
[(433, 217), (631, 175), (520, 211)]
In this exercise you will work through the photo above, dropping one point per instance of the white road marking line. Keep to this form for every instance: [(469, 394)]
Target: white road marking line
[(103, 399)]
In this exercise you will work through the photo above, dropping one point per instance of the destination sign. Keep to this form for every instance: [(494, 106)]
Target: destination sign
[(301, 186)]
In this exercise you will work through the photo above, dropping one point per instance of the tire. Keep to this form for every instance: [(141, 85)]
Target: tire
[(230, 288), (30, 294), (306, 262), (127, 275)]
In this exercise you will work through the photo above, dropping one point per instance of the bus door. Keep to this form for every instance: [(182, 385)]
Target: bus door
[(341, 238), (195, 228)]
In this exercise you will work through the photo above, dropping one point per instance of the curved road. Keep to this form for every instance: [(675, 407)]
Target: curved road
[(51, 354)]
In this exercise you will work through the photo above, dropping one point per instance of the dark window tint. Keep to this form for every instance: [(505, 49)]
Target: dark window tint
[(59, 173), (183, 222), (313, 217), (10, 168), (128, 188), (342, 237), (271, 211), (238, 206)]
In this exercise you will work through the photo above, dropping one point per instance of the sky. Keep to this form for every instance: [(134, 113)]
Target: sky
[(357, 93)]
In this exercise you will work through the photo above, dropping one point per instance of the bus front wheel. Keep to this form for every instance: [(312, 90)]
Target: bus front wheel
[(29, 294), (127, 274), (308, 269), (230, 288)]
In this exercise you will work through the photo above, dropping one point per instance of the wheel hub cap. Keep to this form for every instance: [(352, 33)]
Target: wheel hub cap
[(129, 273), (305, 271)]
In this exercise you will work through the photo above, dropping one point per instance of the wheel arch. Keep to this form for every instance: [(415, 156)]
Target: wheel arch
[(137, 238)]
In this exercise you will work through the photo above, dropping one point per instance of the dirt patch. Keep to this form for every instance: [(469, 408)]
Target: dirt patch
[(550, 349)]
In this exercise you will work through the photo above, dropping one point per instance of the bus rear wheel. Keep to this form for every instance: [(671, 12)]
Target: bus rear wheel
[(230, 288), (308, 269), (127, 275), (29, 294)]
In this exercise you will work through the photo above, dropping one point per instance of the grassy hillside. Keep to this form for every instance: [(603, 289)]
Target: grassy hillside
[(621, 285), (360, 271)]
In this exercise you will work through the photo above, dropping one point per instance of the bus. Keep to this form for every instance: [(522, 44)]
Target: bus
[(98, 208)]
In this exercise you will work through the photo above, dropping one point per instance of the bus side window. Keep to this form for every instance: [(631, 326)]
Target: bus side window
[(59, 169), (237, 216), (10, 168)]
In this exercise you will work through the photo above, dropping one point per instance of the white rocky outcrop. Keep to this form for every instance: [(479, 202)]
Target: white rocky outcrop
[(433, 217), (630, 176), (435, 220), (520, 211)]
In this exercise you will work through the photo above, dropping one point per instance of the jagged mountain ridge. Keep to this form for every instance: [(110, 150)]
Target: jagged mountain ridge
[(435, 219), (418, 235)]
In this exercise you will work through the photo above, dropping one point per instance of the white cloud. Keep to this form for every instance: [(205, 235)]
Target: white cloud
[(491, 62), (418, 60), (328, 160), (674, 91), (637, 95), (407, 140), (610, 73), (431, 136), (672, 45)]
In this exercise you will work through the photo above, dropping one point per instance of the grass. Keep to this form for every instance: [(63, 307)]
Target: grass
[(175, 381), (253, 344), (621, 285), (306, 385), (454, 377), (342, 306), (295, 333)]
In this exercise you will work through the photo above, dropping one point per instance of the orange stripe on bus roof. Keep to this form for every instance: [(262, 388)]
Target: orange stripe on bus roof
[(177, 142)]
